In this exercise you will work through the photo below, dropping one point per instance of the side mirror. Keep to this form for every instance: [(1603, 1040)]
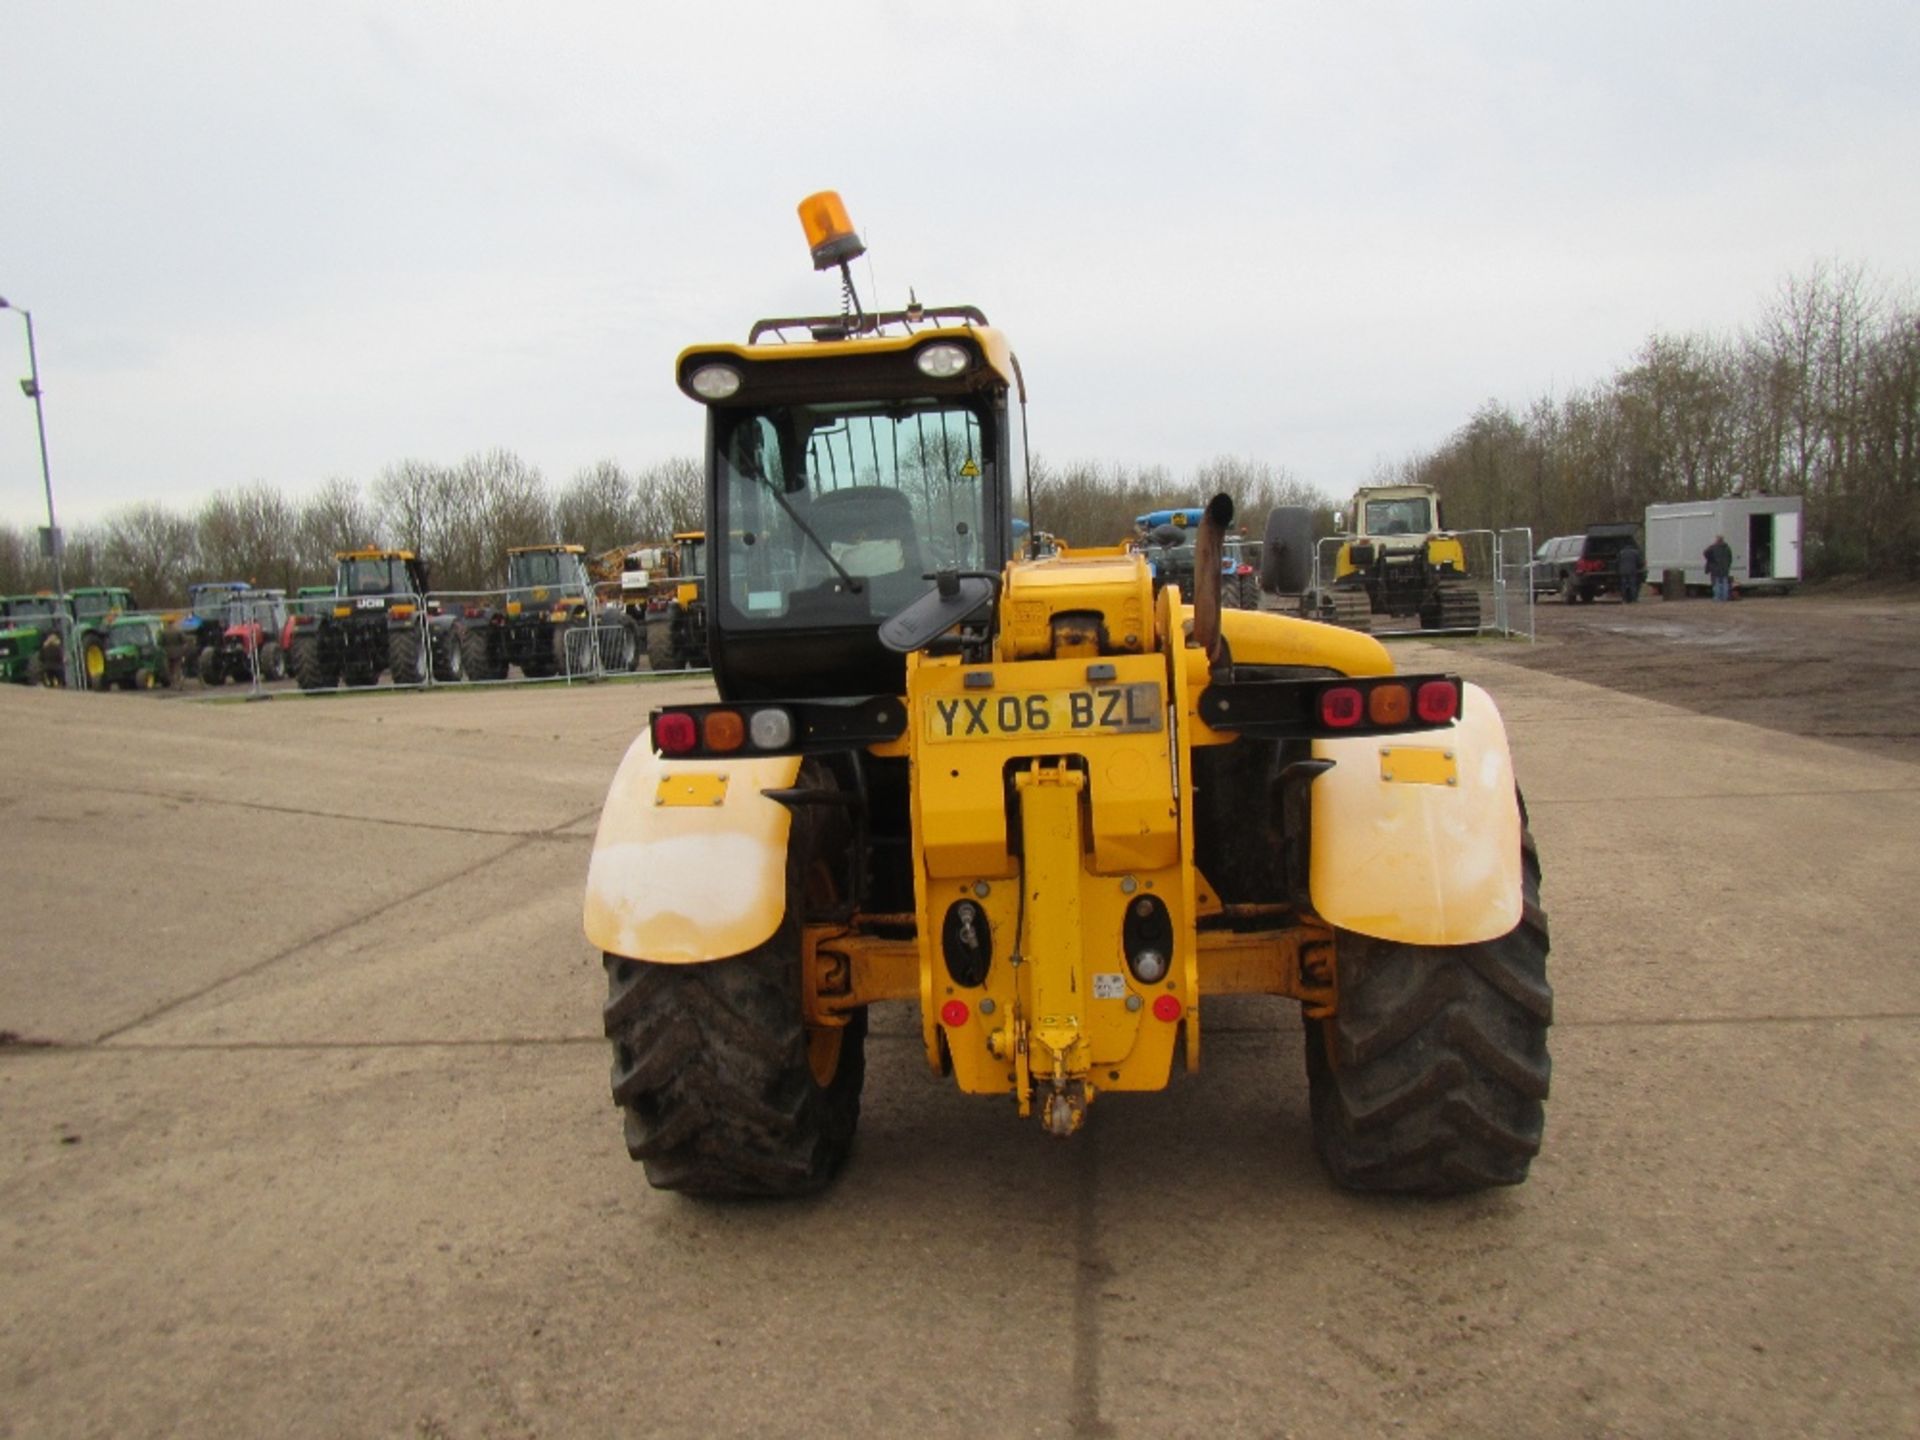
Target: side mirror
[(955, 597), (1339, 520)]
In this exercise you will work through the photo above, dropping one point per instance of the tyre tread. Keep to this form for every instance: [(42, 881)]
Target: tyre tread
[(1430, 1078)]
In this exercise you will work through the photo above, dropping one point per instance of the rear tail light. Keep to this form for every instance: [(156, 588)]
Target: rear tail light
[(726, 730), (1342, 707), (1588, 567), (1438, 702), (674, 733), (1362, 705)]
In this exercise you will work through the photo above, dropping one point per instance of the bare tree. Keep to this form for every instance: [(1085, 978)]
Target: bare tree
[(248, 534), (598, 508), (152, 551), (18, 573), (411, 501), (333, 519), (463, 520), (669, 497)]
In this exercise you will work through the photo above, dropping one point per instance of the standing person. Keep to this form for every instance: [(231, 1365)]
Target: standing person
[(1719, 558), (1627, 561)]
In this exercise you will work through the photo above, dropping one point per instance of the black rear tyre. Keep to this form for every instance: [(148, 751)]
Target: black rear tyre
[(310, 671), (662, 654), (1286, 551), (725, 1090), (1431, 1078), (403, 657), (475, 659), (449, 653)]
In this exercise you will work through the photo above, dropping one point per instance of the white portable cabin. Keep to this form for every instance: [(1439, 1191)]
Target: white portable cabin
[(1763, 531)]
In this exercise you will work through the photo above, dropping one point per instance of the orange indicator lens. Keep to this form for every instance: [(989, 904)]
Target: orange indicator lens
[(1389, 705), (725, 730)]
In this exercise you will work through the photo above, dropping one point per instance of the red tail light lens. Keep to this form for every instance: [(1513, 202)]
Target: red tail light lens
[(1389, 704), (674, 733), (1437, 703), (954, 1014), (1342, 707)]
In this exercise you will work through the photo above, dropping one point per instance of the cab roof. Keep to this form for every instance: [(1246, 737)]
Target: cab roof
[(874, 357)]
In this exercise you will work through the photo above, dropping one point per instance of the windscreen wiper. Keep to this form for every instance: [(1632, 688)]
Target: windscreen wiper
[(853, 584)]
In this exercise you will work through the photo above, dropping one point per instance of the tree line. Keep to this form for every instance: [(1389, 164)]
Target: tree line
[(462, 517), (1092, 503), (1820, 399)]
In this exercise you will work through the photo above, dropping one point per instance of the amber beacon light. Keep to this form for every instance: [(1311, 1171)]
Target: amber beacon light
[(830, 233)]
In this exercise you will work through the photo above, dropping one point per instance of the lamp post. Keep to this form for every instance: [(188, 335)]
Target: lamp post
[(31, 387)]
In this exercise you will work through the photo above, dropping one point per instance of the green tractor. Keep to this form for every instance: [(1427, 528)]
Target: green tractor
[(94, 609), (27, 624), (140, 653)]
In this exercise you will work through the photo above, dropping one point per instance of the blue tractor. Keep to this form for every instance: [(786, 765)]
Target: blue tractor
[(204, 625), (1166, 536)]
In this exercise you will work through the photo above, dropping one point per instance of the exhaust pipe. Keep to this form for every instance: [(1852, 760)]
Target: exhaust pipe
[(1208, 546)]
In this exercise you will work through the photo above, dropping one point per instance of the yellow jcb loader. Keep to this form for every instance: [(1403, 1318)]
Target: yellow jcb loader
[(1046, 807)]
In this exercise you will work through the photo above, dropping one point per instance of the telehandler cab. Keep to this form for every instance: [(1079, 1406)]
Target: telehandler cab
[(1045, 806)]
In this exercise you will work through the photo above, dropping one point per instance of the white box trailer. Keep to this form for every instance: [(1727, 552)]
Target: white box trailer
[(1763, 531)]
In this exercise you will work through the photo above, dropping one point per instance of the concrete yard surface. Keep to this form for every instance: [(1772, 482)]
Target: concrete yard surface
[(304, 1124)]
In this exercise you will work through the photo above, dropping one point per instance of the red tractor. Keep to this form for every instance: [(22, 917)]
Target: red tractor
[(250, 643)]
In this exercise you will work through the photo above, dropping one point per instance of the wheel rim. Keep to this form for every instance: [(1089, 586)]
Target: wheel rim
[(96, 662), (823, 1041)]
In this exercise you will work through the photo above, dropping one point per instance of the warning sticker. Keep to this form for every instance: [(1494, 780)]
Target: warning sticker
[(1112, 986), (970, 471)]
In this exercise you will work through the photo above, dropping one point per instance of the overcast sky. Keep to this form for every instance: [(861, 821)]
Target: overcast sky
[(286, 242)]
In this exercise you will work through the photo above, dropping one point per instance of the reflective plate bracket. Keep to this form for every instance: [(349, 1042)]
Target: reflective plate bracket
[(1417, 765), (683, 788)]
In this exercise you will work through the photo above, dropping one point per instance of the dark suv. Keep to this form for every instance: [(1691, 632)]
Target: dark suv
[(1553, 562), (1580, 567)]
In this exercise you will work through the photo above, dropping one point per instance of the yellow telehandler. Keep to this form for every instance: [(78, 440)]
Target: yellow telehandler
[(1050, 809)]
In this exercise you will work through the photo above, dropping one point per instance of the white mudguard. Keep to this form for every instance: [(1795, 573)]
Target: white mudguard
[(1416, 838), (690, 862)]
